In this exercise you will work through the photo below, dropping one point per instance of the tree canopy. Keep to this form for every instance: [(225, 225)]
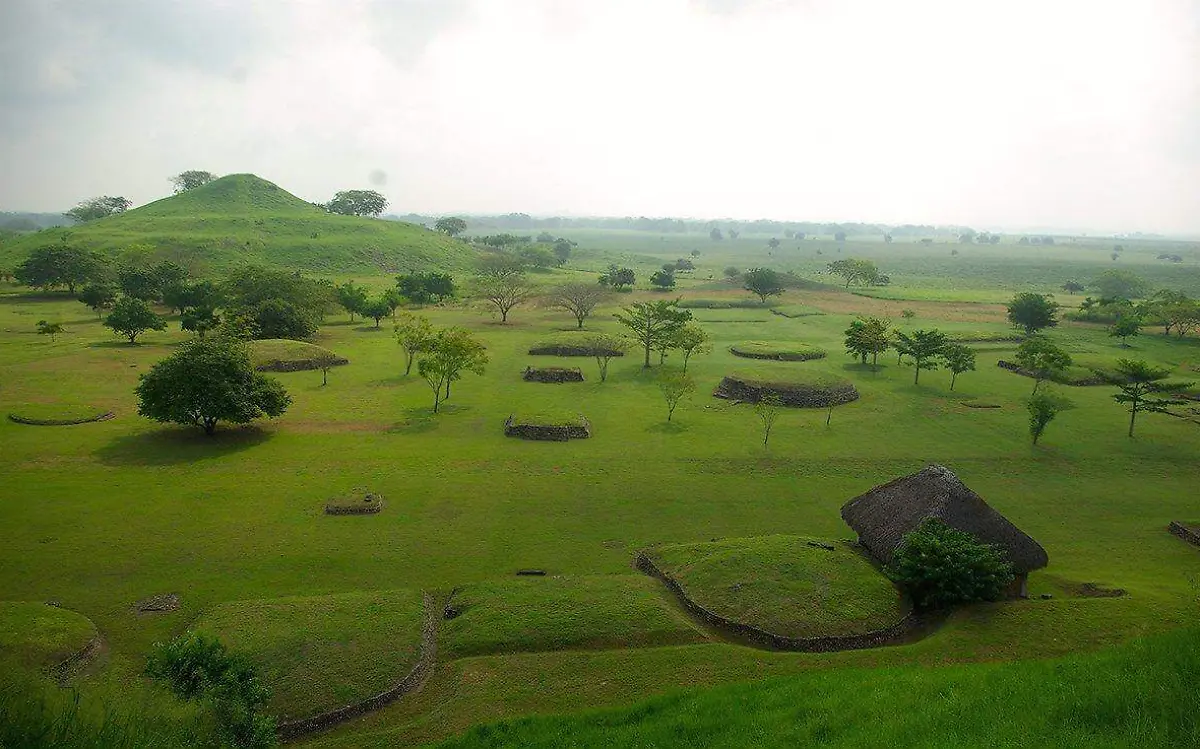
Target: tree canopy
[(131, 317), (1120, 284), (1038, 356), (763, 282), (577, 298), (357, 203), (940, 566), (451, 226), (97, 208), (855, 270), (924, 347), (191, 179), (869, 336), (653, 324), (209, 380), (59, 265), (1144, 387), (1033, 312), (451, 352)]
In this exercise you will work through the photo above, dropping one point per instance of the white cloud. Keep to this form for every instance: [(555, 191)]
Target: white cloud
[(1072, 113)]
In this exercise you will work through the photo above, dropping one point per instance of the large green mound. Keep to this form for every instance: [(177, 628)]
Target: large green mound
[(286, 355), (242, 219), (786, 585), (776, 351), (318, 653), (554, 613), (34, 635), (1142, 694)]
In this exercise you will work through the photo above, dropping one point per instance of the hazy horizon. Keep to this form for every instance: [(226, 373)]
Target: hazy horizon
[(1020, 116)]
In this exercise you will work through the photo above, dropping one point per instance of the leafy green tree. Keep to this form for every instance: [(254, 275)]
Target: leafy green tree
[(691, 340), (325, 360), (209, 380), (99, 297), (131, 317), (1043, 408), (451, 226), (1033, 312), (663, 280), (352, 297), (246, 288), (1120, 284), (425, 288), (620, 279), (767, 409), (1126, 327), (97, 208), (939, 566), (763, 282), (504, 291), (538, 256), (959, 358), (1144, 387), (732, 272), (674, 385), (653, 323), (1073, 287), (376, 309), (869, 336), (357, 203), (415, 335), (199, 320), (452, 352), (603, 347), (562, 250), (855, 270), (393, 299), (279, 318), (924, 347), (191, 179), (51, 329), (716, 235), (139, 283), (59, 265), (1042, 359), (580, 299)]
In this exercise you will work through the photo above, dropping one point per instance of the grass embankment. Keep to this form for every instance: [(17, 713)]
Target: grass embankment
[(289, 355), (1143, 694), (34, 635), (321, 652), (785, 585), (549, 417), (776, 350), (56, 414), (242, 218), (556, 613)]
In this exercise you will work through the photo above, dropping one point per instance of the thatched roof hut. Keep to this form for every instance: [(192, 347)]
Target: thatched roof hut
[(883, 516)]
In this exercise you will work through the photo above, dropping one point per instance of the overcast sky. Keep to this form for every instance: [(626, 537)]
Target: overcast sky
[(1080, 114)]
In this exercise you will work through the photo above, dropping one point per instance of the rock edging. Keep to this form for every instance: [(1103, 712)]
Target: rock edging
[(779, 356), (1187, 534), (298, 365), (66, 670), (547, 432), (552, 374), (817, 395), (414, 680), (61, 422), (904, 630)]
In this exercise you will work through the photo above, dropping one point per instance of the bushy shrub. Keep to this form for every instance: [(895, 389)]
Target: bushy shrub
[(188, 663), (940, 566)]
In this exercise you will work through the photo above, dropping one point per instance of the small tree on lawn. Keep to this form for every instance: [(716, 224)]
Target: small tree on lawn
[(505, 291), (1126, 327), (415, 335), (325, 361), (131, 317), (652, 323), (451, 226), (578, 298), (1144, 388), (377, 309), (768, 409), (1042, 359), (674, 385), (691, 340), (869, 336), (959, 358), (98, 296), (51, 329), (939, 566), (206, 381), (663, 280), (1043, 407), (603, 347), (352, 297), (199, 320), (452, 352), (924, 347), (762, 282), (1033, 312)]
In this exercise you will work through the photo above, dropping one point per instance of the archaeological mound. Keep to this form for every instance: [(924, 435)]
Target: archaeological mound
[(357, 501), (552, 374), (776, 351), (548, 426), (284, 355), (798, 393)]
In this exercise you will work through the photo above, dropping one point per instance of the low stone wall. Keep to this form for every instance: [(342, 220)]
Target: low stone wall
[(799, 396), (297, 365), (905, 630), (1184, 532), (547, 432), (294, 729), (366, 508), (781, 356), (1094, 379), (552, 374), (563, 349), (61, 422), (70, 666)]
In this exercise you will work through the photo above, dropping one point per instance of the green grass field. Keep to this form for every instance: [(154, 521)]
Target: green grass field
[(36, 635), (103, 515)]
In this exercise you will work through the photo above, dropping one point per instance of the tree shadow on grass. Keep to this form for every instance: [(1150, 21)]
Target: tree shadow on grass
[(178, 445), (421, 420), (864, 368), (667, 427)]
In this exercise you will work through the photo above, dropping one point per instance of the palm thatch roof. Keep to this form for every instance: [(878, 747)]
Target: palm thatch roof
[(882, 517)]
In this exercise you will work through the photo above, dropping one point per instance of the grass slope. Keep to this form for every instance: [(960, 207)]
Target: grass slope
[(286, 350), (552, 613), (241, 218), (784, 585), (34, 635), (321, 652), (1141, 695)]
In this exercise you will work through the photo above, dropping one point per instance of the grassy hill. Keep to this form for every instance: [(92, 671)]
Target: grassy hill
[(242, 219)]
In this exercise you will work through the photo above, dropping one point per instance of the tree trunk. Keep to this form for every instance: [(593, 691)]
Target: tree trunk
[(447, 395), (917, 375), (408, 356), (503, 316), (1132, 416), (953, 377), (874, 361), (132, 338), (580, 319), (210, 426), (324, 377), (647, 364)]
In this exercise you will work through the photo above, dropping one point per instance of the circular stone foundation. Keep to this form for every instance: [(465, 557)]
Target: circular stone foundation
[(776, 351), (814, 394), (57, 414), (357, 502)]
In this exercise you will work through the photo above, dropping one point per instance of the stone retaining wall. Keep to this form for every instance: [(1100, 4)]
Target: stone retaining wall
[(563, 349), (781, 356), (74, 663), (1094, 379), (547, 432), (816, 396), (552, 374), (294, 729), (297, 365), (1184, 532), (904, 630), (61, 422)]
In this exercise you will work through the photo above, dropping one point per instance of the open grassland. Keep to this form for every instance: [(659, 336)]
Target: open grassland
[(106, 514), (1136, 695), (786, 585)]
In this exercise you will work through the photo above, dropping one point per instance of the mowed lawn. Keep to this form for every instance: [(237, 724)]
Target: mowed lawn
[(101, 515)]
